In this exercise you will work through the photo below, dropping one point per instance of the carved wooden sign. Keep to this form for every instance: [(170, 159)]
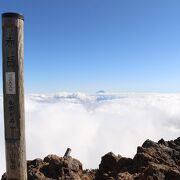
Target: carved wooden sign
[(13, 90)]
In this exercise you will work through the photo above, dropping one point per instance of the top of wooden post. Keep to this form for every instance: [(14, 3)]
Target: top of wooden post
[(11, 14)]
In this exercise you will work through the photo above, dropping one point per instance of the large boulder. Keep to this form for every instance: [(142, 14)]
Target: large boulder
[(107, 166), (53, 167), (156, 161)]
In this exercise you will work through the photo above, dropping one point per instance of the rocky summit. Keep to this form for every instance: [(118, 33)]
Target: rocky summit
[(153, 161)]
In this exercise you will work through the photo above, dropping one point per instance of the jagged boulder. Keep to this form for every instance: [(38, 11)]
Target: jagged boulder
[(156, 161), (107, 165), (54, 167)]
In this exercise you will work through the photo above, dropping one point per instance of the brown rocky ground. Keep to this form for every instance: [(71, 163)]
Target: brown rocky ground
[(153, 161)]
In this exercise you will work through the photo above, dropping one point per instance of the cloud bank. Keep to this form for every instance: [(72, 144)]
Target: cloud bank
[(94, 124)]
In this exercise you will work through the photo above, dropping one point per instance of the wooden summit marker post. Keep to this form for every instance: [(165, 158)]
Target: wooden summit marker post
[(13, 90)]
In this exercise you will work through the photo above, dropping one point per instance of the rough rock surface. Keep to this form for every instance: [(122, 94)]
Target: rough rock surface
[(153, 161), (54, 167)]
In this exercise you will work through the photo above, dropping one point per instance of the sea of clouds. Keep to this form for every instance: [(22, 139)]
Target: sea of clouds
[(94, 124)]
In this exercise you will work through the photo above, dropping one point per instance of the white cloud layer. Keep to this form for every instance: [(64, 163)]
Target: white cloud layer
[(92, 125)]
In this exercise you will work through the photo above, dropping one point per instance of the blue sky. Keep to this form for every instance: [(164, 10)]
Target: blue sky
[(88, 45)]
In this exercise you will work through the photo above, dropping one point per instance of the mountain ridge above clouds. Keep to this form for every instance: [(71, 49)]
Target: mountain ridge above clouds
[(101, 97), (96, 96)]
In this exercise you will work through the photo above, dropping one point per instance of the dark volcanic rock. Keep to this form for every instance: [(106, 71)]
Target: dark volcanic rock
[(156, 161), (54, 167), (124, 165), (108, 162), (107, 165), (153, 161)]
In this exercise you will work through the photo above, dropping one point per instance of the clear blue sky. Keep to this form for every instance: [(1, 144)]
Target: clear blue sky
[(88, 45)]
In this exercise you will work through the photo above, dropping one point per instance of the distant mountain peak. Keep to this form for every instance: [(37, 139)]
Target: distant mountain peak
[(100, 92)]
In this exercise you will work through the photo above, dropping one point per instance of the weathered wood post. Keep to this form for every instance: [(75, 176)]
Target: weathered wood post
[(67, 153), (13, 90)]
